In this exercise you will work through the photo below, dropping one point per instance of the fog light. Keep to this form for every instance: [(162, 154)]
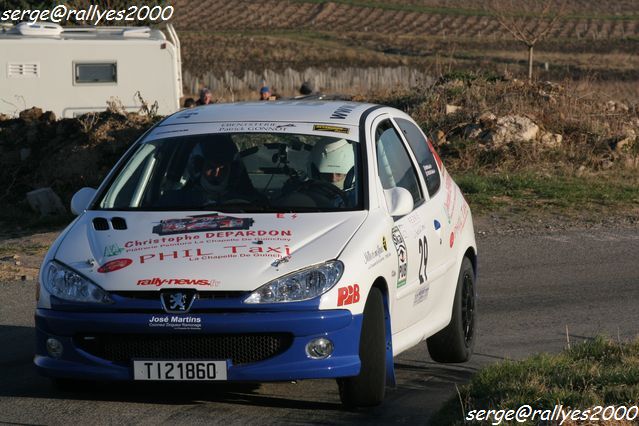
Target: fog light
[(54, 347), (319, 348)]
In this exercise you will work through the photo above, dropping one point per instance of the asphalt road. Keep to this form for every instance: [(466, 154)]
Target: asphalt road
[(532, 288)]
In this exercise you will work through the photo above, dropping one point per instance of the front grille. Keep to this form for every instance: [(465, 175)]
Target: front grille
[(155, 294), (241, 349)]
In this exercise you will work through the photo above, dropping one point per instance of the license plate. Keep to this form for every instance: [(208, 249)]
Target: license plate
[(179, 370)]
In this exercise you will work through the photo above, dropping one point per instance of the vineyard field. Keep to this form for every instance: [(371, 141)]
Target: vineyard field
[(594, 40)]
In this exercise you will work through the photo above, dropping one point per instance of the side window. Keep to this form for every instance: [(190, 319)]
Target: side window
[(393, 163), (422, 153), (96, 73)]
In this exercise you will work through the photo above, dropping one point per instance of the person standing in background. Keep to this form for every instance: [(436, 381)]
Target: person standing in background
[(206, 97)]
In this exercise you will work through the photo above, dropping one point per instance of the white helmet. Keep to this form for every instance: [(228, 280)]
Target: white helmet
[(333, 156)]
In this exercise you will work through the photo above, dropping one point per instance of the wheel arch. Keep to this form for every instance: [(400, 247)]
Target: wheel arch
[(381, 284), (472, 256)]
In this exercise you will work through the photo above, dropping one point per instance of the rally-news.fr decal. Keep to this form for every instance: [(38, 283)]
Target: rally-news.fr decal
[(158, 282)]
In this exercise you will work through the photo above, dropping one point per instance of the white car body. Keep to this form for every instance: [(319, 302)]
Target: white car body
[(377, 249)]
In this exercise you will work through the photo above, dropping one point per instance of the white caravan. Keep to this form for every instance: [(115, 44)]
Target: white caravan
[(75, 70)]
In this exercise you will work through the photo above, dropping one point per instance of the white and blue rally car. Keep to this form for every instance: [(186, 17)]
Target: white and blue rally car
[(268, 241)]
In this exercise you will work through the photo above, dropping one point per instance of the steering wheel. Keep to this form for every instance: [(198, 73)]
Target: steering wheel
[(237, 201), (324, 189)]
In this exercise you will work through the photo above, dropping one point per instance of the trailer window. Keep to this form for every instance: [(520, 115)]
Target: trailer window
[(96, 73)]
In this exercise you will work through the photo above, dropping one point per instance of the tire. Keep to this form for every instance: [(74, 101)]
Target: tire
[(455, 342), (368, 388)]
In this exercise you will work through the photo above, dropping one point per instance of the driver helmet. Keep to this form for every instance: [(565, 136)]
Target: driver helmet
[(216, 163), (332, 159)]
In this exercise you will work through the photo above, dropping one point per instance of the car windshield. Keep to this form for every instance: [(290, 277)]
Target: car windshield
[(239, 172)]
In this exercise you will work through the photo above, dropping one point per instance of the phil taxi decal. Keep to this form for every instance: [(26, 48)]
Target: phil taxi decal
[(115, 265), (226, 252), (348, 295), (402, 256), (201, 223)]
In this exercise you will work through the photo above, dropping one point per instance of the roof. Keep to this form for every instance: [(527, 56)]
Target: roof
[(333, 112), (26, 31)]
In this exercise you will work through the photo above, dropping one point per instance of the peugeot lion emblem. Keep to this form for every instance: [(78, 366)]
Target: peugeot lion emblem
[(177, 302)]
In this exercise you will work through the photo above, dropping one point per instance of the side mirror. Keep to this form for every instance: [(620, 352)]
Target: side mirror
[(399, 201), (81, 200)]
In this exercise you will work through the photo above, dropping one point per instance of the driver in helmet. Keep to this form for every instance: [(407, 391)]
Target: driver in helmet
[(333, 161), (217, 177), (223, 176)]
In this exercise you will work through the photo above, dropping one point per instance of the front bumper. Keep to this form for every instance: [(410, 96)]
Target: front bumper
[(340, 326)]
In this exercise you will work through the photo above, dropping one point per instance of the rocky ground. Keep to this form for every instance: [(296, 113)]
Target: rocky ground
[(21, 256)]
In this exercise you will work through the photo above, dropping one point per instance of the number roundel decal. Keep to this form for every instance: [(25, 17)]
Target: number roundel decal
[(402, 256)]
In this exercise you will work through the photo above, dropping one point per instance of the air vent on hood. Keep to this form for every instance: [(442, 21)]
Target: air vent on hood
[(118, 223), (100, 224)]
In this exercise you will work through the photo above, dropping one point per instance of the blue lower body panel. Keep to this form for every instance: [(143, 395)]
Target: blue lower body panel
[(339, 326)]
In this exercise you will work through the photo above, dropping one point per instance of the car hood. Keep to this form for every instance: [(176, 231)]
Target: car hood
[(132, 251)]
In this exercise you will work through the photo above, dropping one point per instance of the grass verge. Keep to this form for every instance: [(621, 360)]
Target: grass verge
[(597, 372), (551, 193)]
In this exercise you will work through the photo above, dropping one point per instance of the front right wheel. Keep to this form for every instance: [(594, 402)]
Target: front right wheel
[(455, 342), (368, 388)]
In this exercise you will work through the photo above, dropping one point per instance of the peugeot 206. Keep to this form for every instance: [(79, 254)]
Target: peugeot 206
[(270, 241)]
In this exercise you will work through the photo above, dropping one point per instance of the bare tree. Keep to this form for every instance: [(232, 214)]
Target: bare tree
[(528, 21)]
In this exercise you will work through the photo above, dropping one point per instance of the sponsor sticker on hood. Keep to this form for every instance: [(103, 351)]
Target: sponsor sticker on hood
[(213, 251)]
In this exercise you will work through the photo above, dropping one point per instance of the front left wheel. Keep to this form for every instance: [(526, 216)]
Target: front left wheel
[(368, 388), (455, 343)]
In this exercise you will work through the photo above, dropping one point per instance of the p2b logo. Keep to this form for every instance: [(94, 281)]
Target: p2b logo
[(348, 295)]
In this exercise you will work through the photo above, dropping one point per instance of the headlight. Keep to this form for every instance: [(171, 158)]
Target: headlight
[(68, 285), (301, 285)]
